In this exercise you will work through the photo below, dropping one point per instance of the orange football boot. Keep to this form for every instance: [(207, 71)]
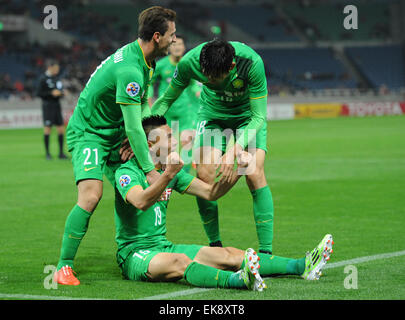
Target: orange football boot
[(65, 276)]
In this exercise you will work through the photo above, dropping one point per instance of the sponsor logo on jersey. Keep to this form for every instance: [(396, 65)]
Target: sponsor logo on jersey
[(124, 180), (238, 83), (133, 89), (166, 195)]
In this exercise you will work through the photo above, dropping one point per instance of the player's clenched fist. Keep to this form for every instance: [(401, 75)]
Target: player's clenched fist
[(173, 163)]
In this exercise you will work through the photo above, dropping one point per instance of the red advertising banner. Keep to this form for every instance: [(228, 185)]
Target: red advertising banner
[(363, 109)]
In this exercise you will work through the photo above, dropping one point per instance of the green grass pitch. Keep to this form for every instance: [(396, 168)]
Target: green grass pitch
[(341, 176)]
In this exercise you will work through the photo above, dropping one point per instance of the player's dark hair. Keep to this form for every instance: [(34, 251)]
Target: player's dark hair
[(152, 122), (50, 62), (216, 58), (154, 19)]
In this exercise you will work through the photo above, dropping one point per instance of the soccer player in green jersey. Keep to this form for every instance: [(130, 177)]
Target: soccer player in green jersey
[(144, 252), (234, 97), (182, 116), (109, 108)]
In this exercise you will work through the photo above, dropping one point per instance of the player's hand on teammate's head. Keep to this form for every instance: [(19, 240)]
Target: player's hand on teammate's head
[(173, 163), (126, 152)]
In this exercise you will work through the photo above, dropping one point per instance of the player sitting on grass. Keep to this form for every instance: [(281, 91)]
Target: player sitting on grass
[(144, 253)]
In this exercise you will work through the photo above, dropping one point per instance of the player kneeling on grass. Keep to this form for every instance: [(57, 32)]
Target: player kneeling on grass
[(144, 253)]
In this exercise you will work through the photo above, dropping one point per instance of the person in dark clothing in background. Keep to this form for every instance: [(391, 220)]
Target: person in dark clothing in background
[(50, 90)]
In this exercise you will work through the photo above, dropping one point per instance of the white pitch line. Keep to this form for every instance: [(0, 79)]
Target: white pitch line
[(364, 259), (40, 297), (328, 266), (199, 290)]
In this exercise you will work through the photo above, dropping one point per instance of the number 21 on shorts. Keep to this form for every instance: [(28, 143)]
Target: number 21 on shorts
[(91, 156)]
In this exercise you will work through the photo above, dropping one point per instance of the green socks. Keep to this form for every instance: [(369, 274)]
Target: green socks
[(75, 228), (208, 277), (263, 214), (209, 216), (263, 211), (272, 265)]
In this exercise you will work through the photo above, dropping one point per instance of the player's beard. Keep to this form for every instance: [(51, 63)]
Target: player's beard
[(161, 52)]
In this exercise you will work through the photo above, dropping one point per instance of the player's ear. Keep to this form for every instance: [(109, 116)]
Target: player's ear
[(156, 37), (232, 65)]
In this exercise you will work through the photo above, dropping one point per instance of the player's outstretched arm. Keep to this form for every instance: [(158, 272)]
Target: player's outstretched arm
[(141, 198), (215, 191), (164, 102)]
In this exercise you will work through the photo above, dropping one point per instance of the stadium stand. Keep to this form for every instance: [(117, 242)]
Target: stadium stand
[(381, 65), (306, 68), (371, 55), (324, 21), (267, 26)]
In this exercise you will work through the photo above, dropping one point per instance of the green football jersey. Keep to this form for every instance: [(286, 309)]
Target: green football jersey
[(231, 97), (141, 229), (185, 108), (121, 79)]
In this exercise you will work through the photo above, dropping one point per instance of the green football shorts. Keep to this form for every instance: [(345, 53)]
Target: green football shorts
[(136, 264), (89, 159), (90, 152), (217, 133)]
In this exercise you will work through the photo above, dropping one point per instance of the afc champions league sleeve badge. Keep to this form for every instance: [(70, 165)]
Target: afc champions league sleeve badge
[(124, 180), (133, 89)]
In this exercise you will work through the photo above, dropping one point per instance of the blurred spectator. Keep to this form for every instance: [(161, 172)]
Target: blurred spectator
[(383, 90)]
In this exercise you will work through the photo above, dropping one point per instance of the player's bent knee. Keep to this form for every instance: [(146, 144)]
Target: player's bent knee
[(181, 262), (257, 177), (234, 258), (89, 195), (169, 267), (89, 202)]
